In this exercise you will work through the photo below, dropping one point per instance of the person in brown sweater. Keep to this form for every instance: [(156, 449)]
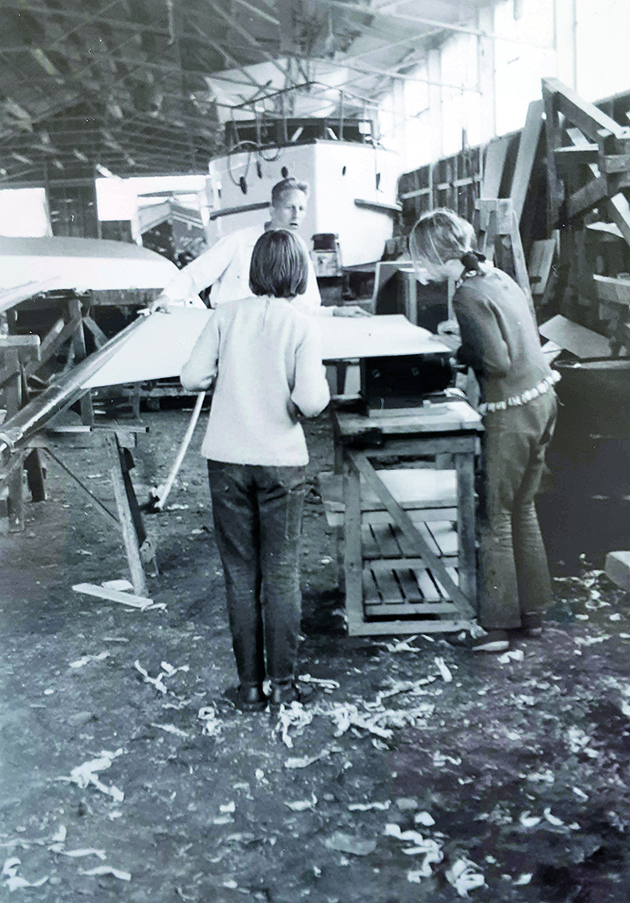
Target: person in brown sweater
[(499, 340)]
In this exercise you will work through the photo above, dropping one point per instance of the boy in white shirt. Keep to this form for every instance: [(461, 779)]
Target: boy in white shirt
[(225, 266)]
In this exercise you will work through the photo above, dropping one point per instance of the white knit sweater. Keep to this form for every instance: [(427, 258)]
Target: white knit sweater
[(263, 357)]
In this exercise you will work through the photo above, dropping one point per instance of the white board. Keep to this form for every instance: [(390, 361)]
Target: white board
[(81, 264), (161, 345), (580, 341)]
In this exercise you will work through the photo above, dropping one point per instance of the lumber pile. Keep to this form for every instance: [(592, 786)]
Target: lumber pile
[(549, 204)]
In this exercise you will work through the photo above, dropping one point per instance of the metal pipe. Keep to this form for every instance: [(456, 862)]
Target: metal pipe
[(32, 417)]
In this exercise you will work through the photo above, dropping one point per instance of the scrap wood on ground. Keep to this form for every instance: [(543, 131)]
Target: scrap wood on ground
[(420, 772)]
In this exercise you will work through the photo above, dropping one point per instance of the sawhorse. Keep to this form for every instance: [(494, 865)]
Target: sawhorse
[(140, 548)]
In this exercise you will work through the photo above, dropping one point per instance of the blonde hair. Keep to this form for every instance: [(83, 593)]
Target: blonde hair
[(439, 236)]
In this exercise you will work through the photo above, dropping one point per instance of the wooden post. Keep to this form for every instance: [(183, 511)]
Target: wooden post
[(127, 522), (467, 554), (353, 557), (80, 353), (554, 186), (13, 402)]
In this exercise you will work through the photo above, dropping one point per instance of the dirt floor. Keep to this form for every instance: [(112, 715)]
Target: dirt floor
[(420, 774)]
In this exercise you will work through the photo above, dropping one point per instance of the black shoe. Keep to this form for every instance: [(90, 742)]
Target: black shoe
[(531, 624), (251, 699), (287, 692)]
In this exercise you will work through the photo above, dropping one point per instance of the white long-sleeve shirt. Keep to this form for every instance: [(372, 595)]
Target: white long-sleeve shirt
[(225, 267), (264, 358)]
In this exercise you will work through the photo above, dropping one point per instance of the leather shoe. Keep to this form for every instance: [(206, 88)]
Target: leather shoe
[(532, 623), (251, 699), (288, 692)]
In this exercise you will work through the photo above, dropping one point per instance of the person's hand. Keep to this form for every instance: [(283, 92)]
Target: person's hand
[(448, 331), (350, 310), (161, 303)]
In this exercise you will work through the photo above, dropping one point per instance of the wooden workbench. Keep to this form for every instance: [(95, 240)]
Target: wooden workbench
[(409, 558)]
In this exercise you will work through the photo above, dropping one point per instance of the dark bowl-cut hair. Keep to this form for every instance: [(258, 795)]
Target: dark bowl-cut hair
[(279, 266)]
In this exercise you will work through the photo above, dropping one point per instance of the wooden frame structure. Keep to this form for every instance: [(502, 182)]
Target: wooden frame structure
[(588, 171), (409, 558), (53, 445)]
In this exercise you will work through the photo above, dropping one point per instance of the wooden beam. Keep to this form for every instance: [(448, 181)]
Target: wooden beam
[(539, 266), (586, 116), (617, 207), (402, 519), (571, 156), (615, 290), (577, 339), (494, 161), (615, 163), (587, 197), (552, 131), (528, 145)]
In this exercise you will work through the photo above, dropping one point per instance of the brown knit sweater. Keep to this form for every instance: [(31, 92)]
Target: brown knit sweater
[(499, 335)]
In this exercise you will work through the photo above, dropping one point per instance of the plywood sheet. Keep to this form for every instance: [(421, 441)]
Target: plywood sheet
[(81, 264), (160, 347), (579, 340)]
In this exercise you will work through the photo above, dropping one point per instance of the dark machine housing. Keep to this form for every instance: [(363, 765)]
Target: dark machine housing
[(405, 381)]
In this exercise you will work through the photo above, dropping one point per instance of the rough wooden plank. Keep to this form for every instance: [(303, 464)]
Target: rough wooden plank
[(427, 586), (428, 609), (586, 116), (617, 568), (113, 595), (618, 210), (386, 541), (528, 145), (388, 587), (402, 518), (587, 197), (353, 560), (377, 518), (579, 340), (613, 290), (494, 163), (409, 586), (125, 515), (368, 542), (552, 132), (370, 590), (445, 537), (412, 625), (568, 157), (412, 487), (539, 266)]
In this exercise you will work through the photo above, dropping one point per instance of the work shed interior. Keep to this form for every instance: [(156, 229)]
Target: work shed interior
[(137, 136)]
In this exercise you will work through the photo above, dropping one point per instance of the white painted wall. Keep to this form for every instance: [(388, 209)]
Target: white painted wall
[(362, 232), (488, 82)]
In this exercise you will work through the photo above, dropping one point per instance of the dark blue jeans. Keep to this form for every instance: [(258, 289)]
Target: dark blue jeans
[(257, 513), (514, 569)]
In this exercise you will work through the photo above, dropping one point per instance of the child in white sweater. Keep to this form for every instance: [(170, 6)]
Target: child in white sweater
[(263, 358)]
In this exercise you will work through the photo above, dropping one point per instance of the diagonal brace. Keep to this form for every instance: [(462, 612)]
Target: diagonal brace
[(361, 463)]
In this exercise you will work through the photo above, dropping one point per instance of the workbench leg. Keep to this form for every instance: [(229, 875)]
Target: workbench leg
[(80, 353), (130, 535), (12, 403), (353, 553), (467, 553), (35, 476)]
